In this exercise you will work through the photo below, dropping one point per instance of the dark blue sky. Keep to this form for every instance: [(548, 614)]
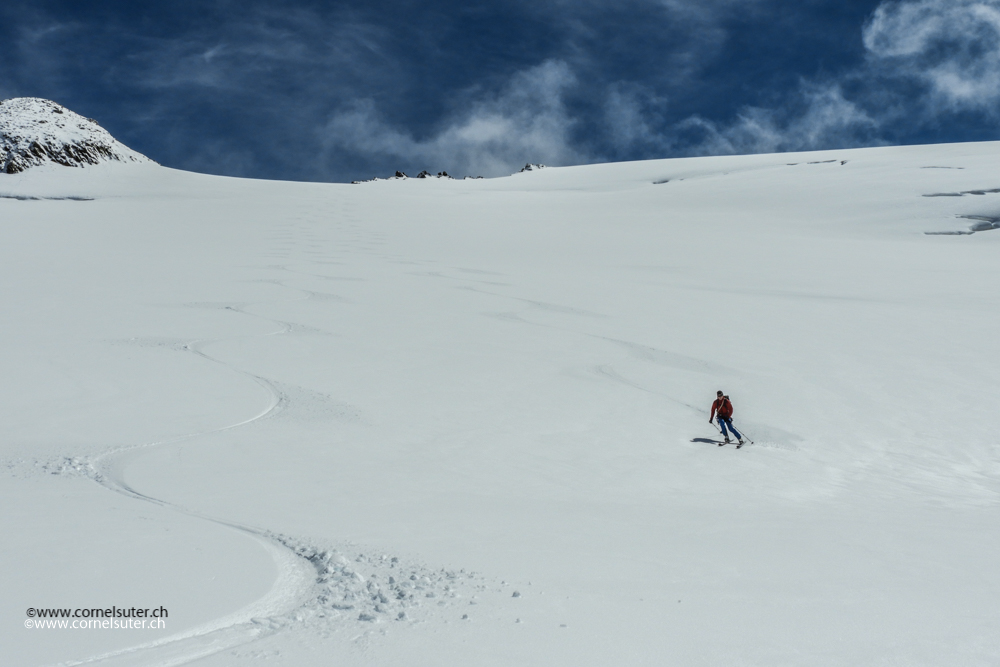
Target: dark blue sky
[(312, 90)]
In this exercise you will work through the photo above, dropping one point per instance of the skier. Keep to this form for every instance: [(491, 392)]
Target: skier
[(724, 408)]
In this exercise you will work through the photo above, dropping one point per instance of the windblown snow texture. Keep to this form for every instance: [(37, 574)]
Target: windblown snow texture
[(34, 132)]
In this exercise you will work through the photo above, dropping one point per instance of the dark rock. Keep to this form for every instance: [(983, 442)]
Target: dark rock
[(34, 132)]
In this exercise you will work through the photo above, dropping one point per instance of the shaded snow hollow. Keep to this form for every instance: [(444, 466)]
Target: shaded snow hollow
[(34, 132)]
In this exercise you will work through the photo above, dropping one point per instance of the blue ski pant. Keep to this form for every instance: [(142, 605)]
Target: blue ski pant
[(729, 422)]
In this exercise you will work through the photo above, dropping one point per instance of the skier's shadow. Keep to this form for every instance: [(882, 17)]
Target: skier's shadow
[(705, 441)]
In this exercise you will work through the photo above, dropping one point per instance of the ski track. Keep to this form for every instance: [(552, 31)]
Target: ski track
[(320, 588), (291, 589), (315, 586)]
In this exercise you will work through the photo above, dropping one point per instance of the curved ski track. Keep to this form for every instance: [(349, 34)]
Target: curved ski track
[(295, 584), (292, 588), (311, 582)]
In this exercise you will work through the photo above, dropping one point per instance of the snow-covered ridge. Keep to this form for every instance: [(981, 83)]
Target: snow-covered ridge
[(34, 132)]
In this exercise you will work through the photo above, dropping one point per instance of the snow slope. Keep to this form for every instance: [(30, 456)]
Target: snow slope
[(34, 132), (437, 422)]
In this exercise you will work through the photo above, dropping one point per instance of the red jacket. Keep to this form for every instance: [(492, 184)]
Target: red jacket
[(723, 407)]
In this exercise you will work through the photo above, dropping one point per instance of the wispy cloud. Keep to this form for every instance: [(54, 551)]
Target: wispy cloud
[(536, 113), (951, 46), (826, 119), (259, 46), (925, 59), (633, 116), (28, 56), (340, 90), (526, 121)]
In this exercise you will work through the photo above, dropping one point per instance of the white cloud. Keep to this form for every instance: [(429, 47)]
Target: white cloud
[(952, 46), (926, 60), (828, 120), (526, 122)]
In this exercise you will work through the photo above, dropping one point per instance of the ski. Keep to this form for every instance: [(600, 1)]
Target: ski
[(722, 443)]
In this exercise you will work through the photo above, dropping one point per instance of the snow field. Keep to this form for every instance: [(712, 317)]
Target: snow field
[(510, 378)]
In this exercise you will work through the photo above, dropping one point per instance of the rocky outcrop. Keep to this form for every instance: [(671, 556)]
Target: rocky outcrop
[(34, 132), (400, 176)]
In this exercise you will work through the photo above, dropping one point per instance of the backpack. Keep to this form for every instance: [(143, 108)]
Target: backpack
[(726, 409)]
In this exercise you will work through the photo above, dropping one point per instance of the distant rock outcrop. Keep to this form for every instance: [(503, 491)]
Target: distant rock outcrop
[(34, 132), (400, 176)]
